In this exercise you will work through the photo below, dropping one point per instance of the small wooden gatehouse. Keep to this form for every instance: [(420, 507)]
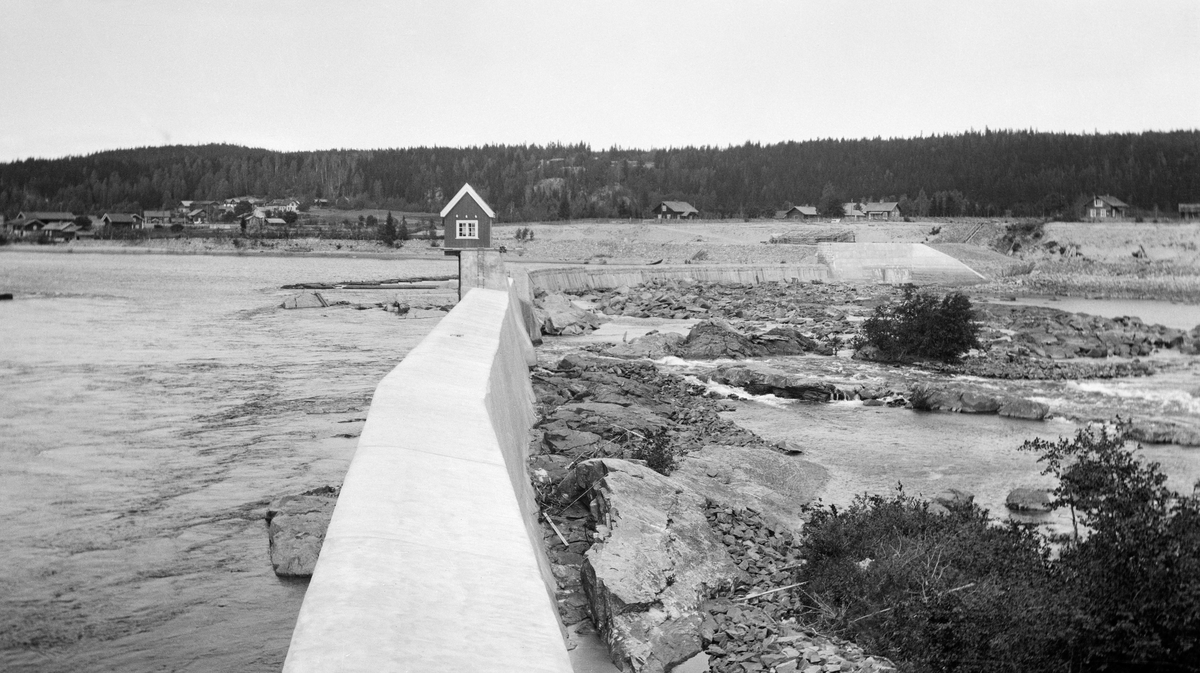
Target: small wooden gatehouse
[(467, 221)]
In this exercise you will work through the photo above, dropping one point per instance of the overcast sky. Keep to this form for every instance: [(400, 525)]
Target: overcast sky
[(79, 76)]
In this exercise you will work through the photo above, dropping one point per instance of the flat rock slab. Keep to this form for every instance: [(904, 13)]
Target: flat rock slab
[(766, 481), (296, 525), (656, 560), (305, 300)]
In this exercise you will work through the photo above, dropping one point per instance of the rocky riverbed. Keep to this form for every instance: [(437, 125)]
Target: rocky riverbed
[(676, 530), (670, 567)]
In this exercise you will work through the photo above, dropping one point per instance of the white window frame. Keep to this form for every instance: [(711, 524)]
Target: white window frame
[(467, 229)]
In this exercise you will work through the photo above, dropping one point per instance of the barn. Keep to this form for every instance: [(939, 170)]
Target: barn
[(467, 221)]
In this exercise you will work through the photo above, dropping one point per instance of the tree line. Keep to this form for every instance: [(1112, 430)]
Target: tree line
[(979, 173)]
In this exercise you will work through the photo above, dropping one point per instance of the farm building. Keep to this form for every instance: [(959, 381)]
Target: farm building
[(853, 210), (797, 213), (675, 210), (1189, 211), (46, 217), (1105, 207), (60, 231), (882, 210), (156, 218), (121, 220), (467, 220), (23, 227)]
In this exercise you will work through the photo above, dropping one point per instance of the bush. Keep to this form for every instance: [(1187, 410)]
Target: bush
[(923, 326), (955, 592), (930, 591)]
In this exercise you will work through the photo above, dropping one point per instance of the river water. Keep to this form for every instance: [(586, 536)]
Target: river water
[(150, 408)]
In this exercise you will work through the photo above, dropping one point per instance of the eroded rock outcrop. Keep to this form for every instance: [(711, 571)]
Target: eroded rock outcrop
[(655, 560), (296, 526), (969, 400), (714, 339)]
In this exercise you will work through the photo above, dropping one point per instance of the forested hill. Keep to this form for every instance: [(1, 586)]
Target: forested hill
[(977, 173)]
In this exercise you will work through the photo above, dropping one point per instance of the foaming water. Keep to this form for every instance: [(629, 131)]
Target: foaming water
[(150, 408)]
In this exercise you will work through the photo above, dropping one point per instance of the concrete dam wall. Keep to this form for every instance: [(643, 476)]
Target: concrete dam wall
[(891, 263), (433, 559)]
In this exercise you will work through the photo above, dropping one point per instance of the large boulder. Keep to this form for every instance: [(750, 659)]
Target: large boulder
[(713, 339), (1028, 499), (769, 482), (1163, 431), (296, 526), (655, 560), (559, 316), (972, 400)]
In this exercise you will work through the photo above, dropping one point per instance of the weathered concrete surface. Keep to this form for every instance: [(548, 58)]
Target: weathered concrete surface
[(433, 561), (481, 268), (296, 526), (656, 559)]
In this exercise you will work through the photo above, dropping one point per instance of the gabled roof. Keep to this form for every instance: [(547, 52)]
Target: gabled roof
[(682, 207), (47, 216), (196, 212), (467, 189), (156, 213), (61, 226), (880, 206), (807, 211), (1113, 201), (121, 218)]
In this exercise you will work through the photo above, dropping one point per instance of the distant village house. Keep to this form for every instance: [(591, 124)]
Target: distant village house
[(882, 210), (122, 220), (797, 213), (1189, 211), (1106, 207), (675, 210), (156, 219)]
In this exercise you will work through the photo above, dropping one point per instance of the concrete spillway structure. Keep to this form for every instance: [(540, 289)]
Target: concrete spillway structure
[(894, 263), (433, 560), (839, 262)]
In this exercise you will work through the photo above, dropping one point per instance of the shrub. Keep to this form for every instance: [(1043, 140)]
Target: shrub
[(923, 326), (931, 591), (955, 592)]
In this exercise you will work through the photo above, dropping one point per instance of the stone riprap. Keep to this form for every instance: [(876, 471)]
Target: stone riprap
[(414, 564)]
